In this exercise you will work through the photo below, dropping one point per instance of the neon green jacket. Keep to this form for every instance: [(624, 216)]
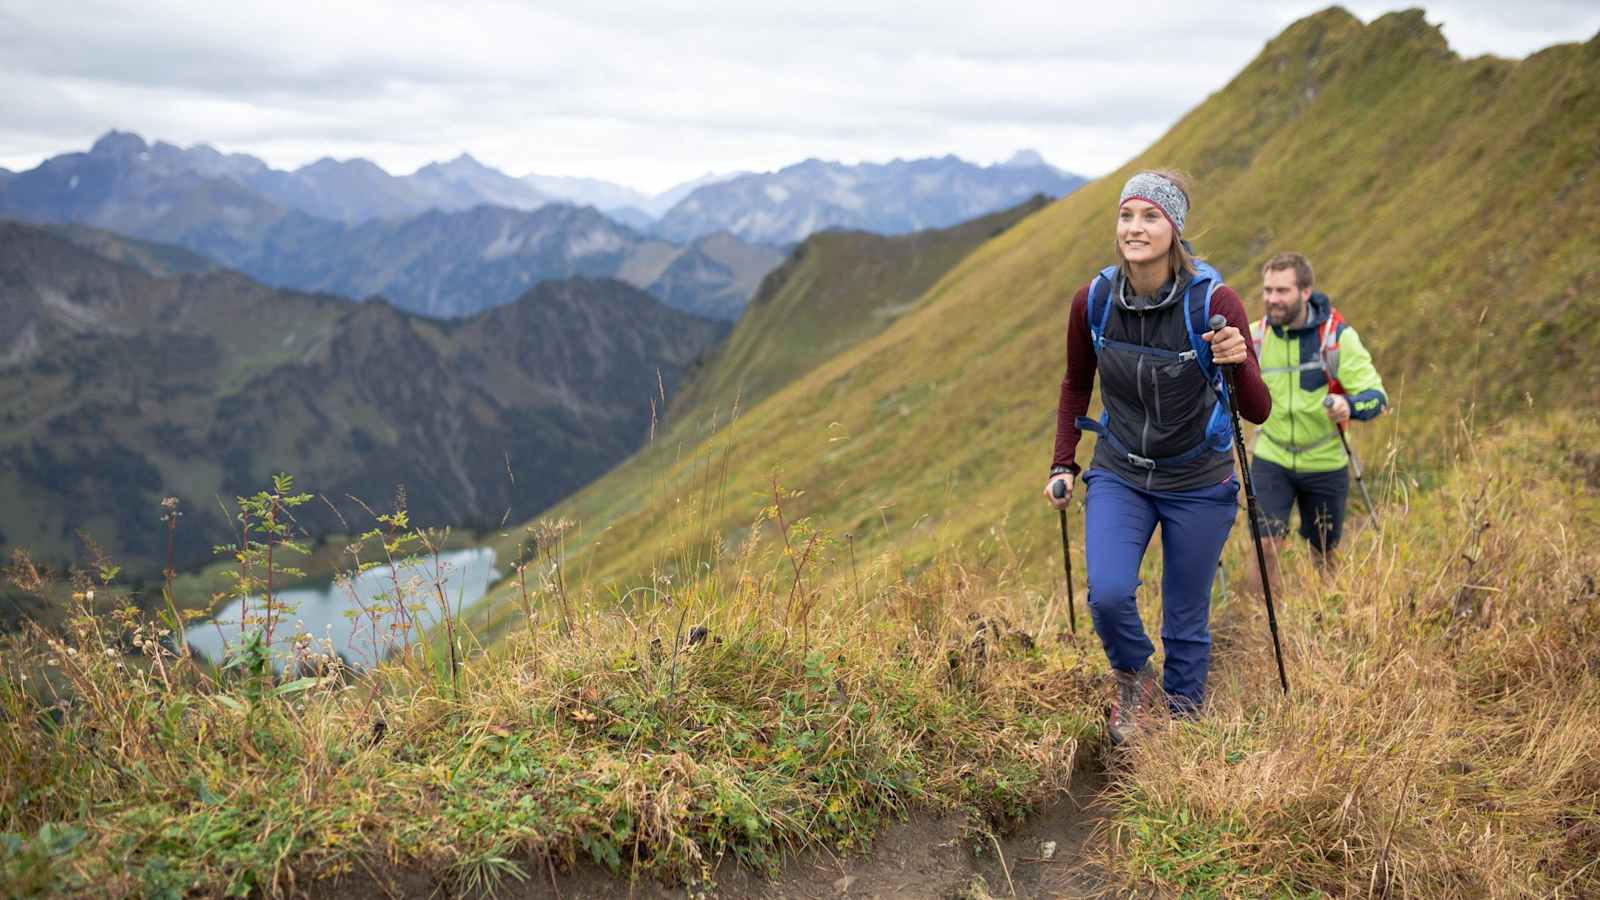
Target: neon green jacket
[(1298, 434)]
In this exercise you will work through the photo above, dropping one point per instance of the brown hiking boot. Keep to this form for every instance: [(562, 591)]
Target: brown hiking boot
[(1128, 707)]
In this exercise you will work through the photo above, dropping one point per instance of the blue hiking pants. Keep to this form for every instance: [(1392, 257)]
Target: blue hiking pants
[(1119, 520)]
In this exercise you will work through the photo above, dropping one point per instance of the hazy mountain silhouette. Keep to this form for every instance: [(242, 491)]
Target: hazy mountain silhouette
[(783, 207), (431, 242)]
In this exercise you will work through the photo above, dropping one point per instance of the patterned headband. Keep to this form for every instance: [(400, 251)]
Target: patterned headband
[(1159, 192)]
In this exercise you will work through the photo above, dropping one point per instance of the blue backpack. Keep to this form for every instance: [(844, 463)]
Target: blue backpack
[(1197, 317)]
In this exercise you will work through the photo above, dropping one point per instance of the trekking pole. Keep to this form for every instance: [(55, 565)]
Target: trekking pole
[(1217, 324), (1059, 490), (1355, 466)]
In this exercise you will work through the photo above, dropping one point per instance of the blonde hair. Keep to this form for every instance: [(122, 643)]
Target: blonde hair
[(1179, 259)]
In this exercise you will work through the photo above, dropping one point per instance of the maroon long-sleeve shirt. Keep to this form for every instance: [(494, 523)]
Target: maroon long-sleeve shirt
[(1254, 403)]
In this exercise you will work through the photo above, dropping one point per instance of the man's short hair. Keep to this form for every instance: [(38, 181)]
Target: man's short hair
[(1302, 268)]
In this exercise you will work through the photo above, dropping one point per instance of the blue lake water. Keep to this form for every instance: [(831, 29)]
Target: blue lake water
[(325, 612)]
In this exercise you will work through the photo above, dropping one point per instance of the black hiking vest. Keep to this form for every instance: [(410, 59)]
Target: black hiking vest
[(1156, 408)]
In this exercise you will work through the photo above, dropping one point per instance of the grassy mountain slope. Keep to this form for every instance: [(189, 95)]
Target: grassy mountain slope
[(146, 256), (121, 388), (837, 289), (1432, 193)]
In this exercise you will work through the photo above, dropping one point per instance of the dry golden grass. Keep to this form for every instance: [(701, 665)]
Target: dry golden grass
[(1442, 737), (746, 714)]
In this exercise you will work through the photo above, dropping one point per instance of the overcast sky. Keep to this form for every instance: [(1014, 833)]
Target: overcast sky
[(650, 94)]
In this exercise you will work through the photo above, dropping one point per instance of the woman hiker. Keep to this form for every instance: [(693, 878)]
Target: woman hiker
[(1165, 440)]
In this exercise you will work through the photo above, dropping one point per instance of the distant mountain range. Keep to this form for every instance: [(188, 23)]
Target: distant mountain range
[(340, 190), (356, 190), (452, 264), (632, 208), (432, 243), (786, 206), (122, 382), (458, 237)]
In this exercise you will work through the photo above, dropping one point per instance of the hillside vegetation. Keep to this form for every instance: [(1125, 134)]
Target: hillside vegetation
[(1441, 740), (1442, 734), (835, 290)]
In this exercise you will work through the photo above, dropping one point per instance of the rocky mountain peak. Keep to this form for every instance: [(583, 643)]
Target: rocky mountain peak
[(119, 145), (1025, 158), (462, 165), (328, 165)]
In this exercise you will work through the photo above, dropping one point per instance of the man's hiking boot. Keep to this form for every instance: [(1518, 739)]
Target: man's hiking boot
[(1129, 707)]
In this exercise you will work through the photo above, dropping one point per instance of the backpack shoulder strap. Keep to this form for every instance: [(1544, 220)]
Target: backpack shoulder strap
[(1100, 304), (1328, 348), (1331, 329), (1219, 429), (1197, 316)]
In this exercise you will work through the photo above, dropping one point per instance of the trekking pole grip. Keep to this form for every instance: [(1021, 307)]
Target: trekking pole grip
[(1217, 323), (1327, 403)]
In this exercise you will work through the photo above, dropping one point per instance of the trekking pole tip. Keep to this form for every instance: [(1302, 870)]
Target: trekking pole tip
[(1218, 322)]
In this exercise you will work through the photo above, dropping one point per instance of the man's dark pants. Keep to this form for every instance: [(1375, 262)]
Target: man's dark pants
[(1320, 497)]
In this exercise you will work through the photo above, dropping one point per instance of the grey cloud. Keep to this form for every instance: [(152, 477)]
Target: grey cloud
[(641, 89), (163, 55)]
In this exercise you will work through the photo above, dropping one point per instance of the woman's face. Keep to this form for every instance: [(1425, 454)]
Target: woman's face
[(1143, 232)]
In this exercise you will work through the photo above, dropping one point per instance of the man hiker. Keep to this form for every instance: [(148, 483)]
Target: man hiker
[(1320, 376)]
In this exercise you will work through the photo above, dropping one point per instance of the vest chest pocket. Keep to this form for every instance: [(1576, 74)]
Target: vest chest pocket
[(1178, 393)]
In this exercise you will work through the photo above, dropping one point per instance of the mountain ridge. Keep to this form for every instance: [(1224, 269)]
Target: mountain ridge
[(836, 289), (356, 189), (451, 264), (203, 201), (900, 196), (121, 388)]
